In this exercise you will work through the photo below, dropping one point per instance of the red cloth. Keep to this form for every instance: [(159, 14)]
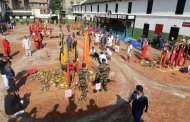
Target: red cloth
[(31, 71), (6, 47), (179, 56), (172, 56)]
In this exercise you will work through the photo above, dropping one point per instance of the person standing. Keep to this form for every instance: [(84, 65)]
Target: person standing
[(13, 104), (139, 103), (69, 42), (97, 38), (110, 40), (117, 44), (103, 73), (10, 75), (185, 54), (129, 51), (2, 65), (103, 41), (83, 82), (68, 27), (36, 41), (26, 45), (89, 40), (6, 47), (164, 56), (173, 55), (144, 48)]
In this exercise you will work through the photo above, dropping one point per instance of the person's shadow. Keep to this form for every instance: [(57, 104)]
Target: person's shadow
[(53, 115), (92, 105), (72, 106), (21, 77)]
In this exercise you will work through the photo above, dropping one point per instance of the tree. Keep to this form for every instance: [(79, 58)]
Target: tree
[(55, 5)]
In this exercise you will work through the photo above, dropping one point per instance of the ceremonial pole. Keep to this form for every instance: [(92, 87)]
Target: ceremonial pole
[(86, 58)]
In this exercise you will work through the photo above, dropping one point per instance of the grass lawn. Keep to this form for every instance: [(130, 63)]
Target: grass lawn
[(138, 32)]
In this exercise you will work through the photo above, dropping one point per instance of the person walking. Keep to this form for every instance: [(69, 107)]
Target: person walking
[(83, 82), (103, 73), (129, 51), (6, 47), (26, 45), (139, 103)]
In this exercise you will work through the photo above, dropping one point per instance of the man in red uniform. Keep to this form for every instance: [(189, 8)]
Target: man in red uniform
[(173, 56), (180, 55), (36, 41), (164, 56), (185, 54), (6, 47)]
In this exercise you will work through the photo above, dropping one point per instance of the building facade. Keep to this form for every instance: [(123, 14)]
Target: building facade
[(3, 7), (167, 14), (67, 5), (43, 5)]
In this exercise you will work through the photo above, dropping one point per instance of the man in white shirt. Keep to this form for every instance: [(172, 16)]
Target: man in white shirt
[(102, 56), (109, 54), (129, 50), (26, 45), (97, 38), (110, 40)]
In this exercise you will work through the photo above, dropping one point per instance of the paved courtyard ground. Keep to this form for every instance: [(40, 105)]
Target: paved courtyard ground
[(168, 90)]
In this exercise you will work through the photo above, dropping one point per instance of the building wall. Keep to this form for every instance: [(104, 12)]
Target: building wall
[(164, 7), (2, 9), (39, 4), (163, 12)]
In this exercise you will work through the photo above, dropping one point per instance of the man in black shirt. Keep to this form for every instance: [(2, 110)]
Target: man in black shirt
[(13, 104), (139, 103), (2, 65)]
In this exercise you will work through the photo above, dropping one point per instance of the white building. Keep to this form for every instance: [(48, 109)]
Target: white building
[(2, 8), (163, 13)]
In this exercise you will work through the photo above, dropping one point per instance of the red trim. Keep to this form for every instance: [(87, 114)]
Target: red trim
[(186, 24)]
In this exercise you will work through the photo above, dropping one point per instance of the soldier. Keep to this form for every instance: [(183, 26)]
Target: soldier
[(83, 82), (103, 72)]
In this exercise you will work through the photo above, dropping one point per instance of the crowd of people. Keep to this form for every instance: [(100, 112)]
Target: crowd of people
[(101, 51)]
